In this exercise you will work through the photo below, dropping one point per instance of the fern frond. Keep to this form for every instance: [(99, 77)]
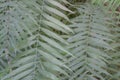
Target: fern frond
[(12, 30), (89, 43), (39, 48), (115, 63)]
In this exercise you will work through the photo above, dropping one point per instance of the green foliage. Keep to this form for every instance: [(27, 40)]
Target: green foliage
[(89, 44), (33, 43), (30, 48)]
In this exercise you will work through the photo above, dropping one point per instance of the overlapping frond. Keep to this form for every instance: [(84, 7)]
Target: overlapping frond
[(32, 48), (115, 63), (27, 31), (89, 44), (12, 30)]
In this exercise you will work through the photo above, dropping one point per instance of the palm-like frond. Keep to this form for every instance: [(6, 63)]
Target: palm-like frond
[(115, 63), (113, 7), (89, 43), (12, 29), (32, 48), (27, 33)]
